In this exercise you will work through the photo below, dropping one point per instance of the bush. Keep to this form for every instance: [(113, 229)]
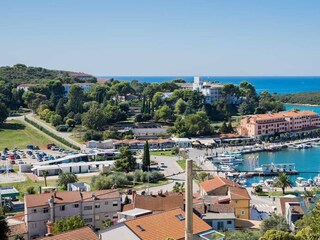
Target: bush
[(92, 135), (30, 190), (51, 134), (101, 182)]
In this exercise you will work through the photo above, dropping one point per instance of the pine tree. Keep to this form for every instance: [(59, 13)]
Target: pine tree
[(224, 128), (229, 127), (146, 157)]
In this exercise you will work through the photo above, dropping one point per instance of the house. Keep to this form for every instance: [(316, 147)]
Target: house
[(183, 142), (132, 214), (84, 233), (293, 212), (227, 191), (272, 123), (25, 86), (78, 186), (158, 226), (106, 144), (17, 226), (94, 207), (157, 202), (220, 216), (9, 192)]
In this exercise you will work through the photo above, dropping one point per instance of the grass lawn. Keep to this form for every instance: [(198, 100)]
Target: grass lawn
[(277, 193), (162, 153), (44, 122), (140, 186), (182, 164), (17, 134)]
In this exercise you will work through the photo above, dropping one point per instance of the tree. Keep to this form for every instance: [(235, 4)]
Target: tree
[(4, 228), (126, 200), (107, 223), (283, 181), (178, 187), (277, 235), (180, 106), (65, 178), (67, 224), (75, 99), (31, 190), (45, 174), (114, 114), (308, 226), (275, 222), (19, 237), (55, 119), (146, 157), (101, 182), (94, 118), (4, 112), (224, 128), (60, 108), (164, 113), (71, 122), (202, 176), (126, 161)]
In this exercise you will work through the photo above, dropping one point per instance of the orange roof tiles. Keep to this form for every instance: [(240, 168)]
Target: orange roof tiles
[(159, 202), (215, 183), (239, 193), (36, 200), (148, 227), (84, 233), (282, 115)]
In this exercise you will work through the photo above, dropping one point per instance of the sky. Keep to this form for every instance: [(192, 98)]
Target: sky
[(163, 37)]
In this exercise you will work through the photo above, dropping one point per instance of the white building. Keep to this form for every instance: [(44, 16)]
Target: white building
[(93, 207), (106, 144), (211, 91)]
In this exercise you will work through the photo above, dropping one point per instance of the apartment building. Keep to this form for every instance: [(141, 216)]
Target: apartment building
[(211, 91), (94, 207), (271, 123)]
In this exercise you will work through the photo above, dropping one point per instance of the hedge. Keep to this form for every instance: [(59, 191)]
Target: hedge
[(51, 134)]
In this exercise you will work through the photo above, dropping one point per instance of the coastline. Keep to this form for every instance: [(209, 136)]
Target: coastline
[(302, 104)]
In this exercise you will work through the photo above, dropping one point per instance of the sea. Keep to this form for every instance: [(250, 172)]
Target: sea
[(306, 160), (271, 84)]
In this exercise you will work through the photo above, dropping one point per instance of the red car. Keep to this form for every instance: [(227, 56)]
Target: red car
[(12, 162), (11, 156)]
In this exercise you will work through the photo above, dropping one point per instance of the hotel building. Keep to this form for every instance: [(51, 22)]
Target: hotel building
[(271, 123)]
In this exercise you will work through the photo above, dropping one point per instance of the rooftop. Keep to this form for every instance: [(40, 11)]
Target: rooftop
[(221, 208), (84, 233), (36, 200), (283, 202), (217, 216), (172, 225), (136, 212), (239, 193), (215, 183)]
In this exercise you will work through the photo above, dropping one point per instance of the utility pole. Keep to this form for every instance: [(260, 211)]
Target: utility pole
[(189, 207)]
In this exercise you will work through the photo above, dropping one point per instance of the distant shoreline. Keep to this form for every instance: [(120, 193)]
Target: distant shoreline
[(301, 104)]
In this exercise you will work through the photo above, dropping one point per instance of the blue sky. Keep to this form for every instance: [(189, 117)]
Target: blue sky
[(164, 37)]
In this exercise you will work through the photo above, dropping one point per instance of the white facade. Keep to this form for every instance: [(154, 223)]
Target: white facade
[(211, 92)]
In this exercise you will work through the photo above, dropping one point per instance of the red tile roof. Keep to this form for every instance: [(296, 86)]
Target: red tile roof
[(160, 202), (221, 208), (166, 224), (239, 193), (215, 183), (84, 233), (65, 197), (283, 201)]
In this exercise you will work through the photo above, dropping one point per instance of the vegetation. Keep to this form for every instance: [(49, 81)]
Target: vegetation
[(66, 178), (67, 224), (275, 222), (4, 112), (162, 153), (276, 234), (299, 98), (4, 228), (126, 161), (16, 134), (242, 235), (146, 157), (51, 134), (283, 181), (31, 190)]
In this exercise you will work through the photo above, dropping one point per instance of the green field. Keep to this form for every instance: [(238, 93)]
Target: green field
[(162, 153), (17, 134)]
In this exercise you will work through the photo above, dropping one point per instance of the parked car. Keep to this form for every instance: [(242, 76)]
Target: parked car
[(50, 145), (30, 147), (11, 156), (12, 162), (55, 148)]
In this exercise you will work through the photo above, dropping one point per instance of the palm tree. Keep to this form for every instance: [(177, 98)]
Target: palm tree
[(283, 181), (45, 174)]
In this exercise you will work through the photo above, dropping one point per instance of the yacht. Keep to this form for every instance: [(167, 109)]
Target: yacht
[(302, 182), (226, 168), (227, 154), (316, 180), (269, 183)]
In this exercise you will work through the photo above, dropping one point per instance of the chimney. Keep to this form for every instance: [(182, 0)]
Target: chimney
[(49, 228), (94, 197), (51, 208)]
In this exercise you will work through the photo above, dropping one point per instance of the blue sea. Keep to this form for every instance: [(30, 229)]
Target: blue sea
[(270, 84)]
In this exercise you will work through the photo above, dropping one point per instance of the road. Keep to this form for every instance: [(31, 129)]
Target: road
[(65, 135), (173, 172)]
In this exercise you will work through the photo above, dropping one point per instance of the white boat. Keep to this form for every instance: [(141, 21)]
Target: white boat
[(226, 154), (311, 182), (260, 183), (269, 183), (316, 180), (302, 182), (226, 168)]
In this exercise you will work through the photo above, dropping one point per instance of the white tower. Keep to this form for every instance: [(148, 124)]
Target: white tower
[(197, 83)]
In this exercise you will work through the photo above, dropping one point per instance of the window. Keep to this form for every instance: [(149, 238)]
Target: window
[(229, 222), (87, 208), (115, 203), (97, 205), (115, 216), (88, 220), (106, 203), (34, 210), (242, 212), (76, 205), (97, 217), (45, 210), (62, 208)]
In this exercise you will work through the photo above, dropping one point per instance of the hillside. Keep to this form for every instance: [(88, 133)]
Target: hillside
[(21, 73), (299, 98)]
